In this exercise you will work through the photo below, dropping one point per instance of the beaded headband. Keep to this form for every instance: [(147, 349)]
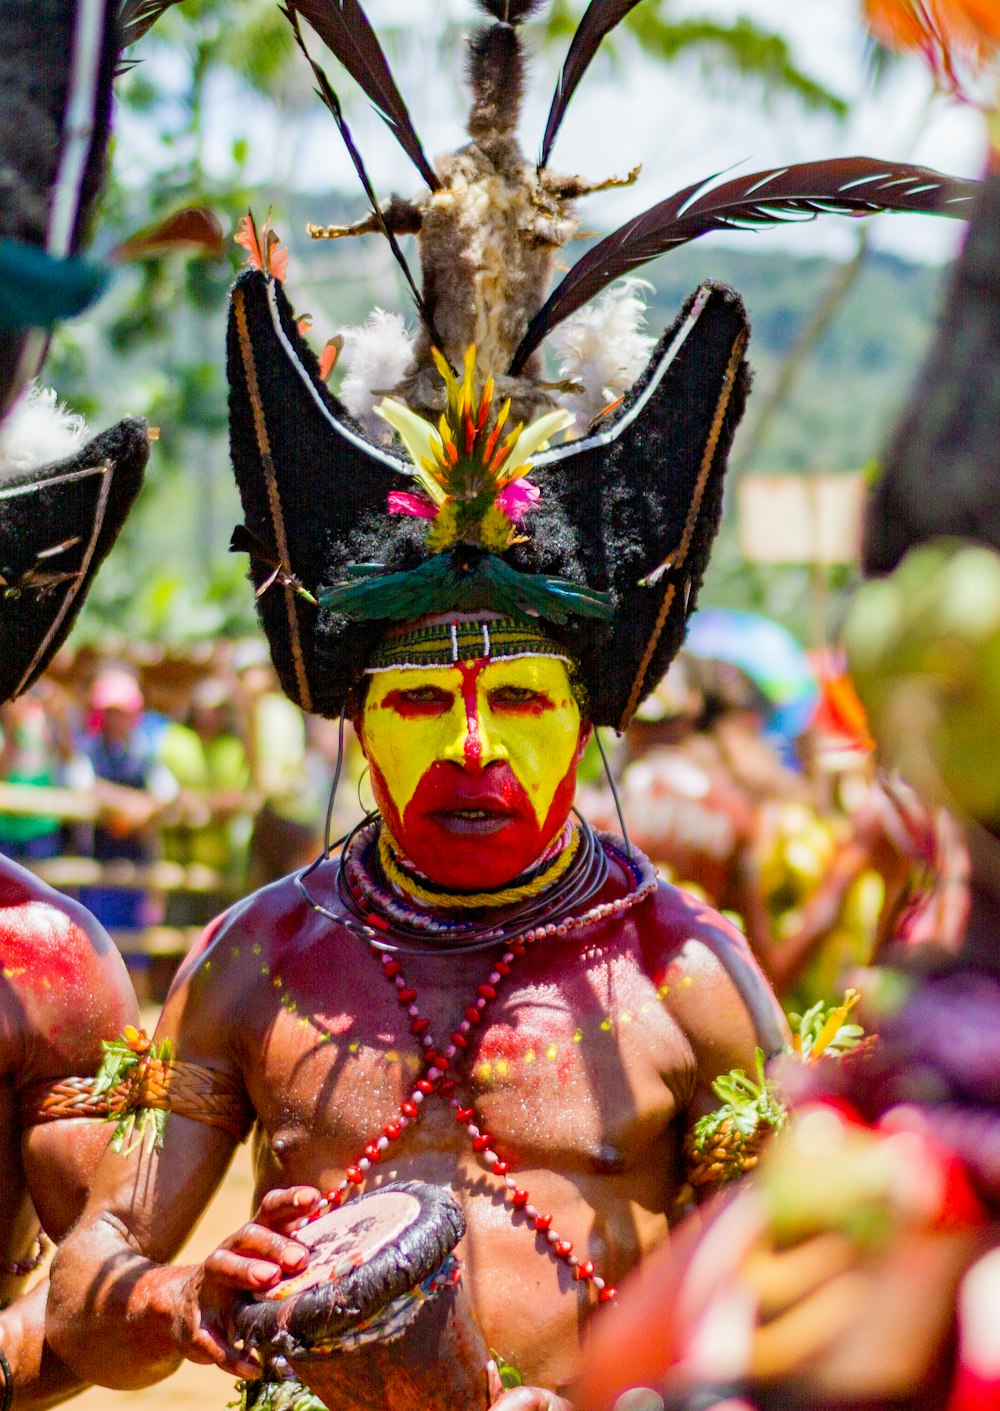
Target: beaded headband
[(444, 643)]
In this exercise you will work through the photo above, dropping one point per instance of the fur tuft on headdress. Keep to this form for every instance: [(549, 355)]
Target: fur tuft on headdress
[(39, 430), (496, 78), (602, 350), (377, 355), (512, 12)]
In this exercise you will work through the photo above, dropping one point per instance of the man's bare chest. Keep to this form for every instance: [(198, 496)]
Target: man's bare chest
[(578, 1064)]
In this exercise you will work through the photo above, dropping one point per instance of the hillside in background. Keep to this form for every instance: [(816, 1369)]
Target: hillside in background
[(153, 350)]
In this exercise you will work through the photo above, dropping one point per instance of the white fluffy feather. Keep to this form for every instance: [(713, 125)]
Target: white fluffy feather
[(38, 431), (602, 348), (376, 356)]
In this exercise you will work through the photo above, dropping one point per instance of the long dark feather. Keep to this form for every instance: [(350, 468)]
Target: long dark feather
[(853, 186), (344, 29), (600, 18), (332, 102), (139, 16)]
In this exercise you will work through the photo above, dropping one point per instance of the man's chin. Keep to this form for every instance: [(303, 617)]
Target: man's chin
[(471, 851)]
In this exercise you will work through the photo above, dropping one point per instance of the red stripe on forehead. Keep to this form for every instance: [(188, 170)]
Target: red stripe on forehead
[(470, 672)]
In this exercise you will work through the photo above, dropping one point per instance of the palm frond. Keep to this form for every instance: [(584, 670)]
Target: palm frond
[(345, 30), (847, 186), (600, 18)]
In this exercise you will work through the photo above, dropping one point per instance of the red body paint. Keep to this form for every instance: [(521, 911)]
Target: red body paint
[(473, 744), (473, 862)]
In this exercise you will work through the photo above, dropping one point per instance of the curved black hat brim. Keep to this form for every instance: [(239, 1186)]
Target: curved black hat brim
[(57, 526)]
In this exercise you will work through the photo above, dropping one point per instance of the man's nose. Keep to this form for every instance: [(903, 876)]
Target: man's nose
[(475, 742)]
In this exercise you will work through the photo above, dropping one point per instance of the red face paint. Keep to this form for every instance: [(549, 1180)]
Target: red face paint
[(474, 765), (466, 854)]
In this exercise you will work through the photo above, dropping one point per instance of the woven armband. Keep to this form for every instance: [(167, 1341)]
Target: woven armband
[(135, 1080)]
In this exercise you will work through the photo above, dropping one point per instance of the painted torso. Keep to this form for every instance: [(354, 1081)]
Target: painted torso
[(63, 988), (598, 1051)]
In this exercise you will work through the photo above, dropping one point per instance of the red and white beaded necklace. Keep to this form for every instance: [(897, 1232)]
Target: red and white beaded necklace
[(438, 1073)]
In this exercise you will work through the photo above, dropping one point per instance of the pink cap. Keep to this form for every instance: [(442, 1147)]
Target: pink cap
[(116, 690)]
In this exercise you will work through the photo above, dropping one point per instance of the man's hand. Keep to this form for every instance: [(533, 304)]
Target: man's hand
[(248, 1262), (531, 1399), (522, 1398)]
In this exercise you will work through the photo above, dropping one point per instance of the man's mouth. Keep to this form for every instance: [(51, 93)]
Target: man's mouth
[(472, 820)]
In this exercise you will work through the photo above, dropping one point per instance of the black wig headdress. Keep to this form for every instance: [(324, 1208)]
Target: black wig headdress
[(607, 544)]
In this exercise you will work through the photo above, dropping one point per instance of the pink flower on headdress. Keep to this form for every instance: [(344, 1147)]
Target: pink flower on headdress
[(517, 498), (403, 502)]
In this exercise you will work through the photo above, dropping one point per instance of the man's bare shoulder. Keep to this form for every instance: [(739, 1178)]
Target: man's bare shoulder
[(64, 984), (242, 954), (705, 971)]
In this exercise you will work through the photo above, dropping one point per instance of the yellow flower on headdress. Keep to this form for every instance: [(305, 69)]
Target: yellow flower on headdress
[(473, 482)]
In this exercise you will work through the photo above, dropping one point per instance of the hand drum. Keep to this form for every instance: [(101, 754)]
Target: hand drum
[(378, 1320)]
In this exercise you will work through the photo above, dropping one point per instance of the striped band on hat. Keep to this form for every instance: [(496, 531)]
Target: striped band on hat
[(443, 643)]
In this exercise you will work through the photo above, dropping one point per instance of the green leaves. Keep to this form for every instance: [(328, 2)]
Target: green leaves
[(124, 1064), (924, 645), (747, 1104), (822, 1030)]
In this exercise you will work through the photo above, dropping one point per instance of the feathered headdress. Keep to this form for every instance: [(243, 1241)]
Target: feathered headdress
[(58, 522), (477, 506)]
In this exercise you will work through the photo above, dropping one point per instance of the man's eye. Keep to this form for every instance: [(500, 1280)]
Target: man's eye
[(424, 695), (516, 696)]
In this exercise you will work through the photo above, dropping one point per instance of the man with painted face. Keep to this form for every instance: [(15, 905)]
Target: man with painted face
[(479, 992)]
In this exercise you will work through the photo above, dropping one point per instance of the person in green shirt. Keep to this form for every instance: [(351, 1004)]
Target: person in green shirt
[(209, 761)]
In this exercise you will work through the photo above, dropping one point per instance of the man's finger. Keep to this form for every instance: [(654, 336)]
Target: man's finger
[(531, 1399), (240, 1271), (208, 1346), (795, 1338), (284, 1207), (258, 1240), (782, 1278)]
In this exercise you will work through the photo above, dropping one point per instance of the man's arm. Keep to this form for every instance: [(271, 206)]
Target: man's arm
[(119, 1313), (67, 990), (718, 995), (40, 1379)]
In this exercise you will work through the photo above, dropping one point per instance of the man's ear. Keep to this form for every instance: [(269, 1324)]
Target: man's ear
[(586, 730)]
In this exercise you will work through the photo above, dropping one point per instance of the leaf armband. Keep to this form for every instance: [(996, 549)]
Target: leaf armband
[(728, 1142)]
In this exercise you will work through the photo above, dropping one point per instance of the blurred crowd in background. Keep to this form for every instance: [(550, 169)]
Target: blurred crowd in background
[(176, 785)]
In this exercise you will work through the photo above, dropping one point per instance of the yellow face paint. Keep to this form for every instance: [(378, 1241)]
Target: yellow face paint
[(521, 712)]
